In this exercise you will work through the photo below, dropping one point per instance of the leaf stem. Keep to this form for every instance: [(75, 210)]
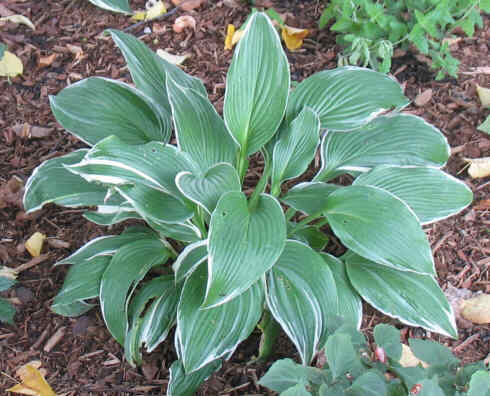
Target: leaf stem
[(260, 187), (303, 222)]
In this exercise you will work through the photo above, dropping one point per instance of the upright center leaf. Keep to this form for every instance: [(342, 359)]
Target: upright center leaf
[(243, 244)]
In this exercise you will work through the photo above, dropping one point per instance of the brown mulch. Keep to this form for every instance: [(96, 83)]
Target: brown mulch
[(84, 359)]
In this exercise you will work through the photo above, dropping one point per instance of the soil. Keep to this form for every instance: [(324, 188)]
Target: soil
[(84, 359)]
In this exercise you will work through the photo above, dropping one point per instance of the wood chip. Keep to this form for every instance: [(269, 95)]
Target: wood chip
[(423, 98), (55, 339)]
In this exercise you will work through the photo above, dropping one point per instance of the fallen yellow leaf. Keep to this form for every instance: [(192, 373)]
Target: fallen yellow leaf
[(10, 65), (155, 9), (33, 382), (484, 95), (230, 31), (477, 309), (479, 167), (408, 359), (293, 37), (34, 244), (18, 19)]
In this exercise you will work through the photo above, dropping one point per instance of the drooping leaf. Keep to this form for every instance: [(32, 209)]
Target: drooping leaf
[(388, 338), (121, 6), (205, 189), (432, 352), (414, 299), (377, 225), (369, 384), (188, 260), (347, 97), (239, 234), (204, 335), (295, 148), (432, 194), (200, 131), (69, 190), (302, 297), (136, 258), (259, 72), (309, 197), (109, 108), (185, 384), (398, 139)]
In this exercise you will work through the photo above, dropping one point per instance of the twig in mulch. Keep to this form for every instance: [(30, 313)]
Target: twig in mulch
[(441, 241), (466, 342), (55, 339), (32, 263)]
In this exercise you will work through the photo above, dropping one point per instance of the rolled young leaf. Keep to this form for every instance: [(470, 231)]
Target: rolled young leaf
[(257, 85), (109, 108), (432, 194), (204, 335), (347, 97), (379, 226), (412, 298), (243, 244), (302, 297), (397, 139), (69, 190)]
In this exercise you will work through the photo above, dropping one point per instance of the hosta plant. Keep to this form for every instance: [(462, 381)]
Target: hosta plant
[(212, 260), (353, 369), (7, 280)]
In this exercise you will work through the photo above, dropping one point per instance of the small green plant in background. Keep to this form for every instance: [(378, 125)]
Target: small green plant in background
[(7, 280), (210, 259), (369, 30), (353, 369)]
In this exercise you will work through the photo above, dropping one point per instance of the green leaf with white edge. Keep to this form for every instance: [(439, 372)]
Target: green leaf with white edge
[(7, 312), (379, 226), (186, 384), (283, 375), (368, 384), (240, 234), (205, 189), (188, 260), (106, 246), (115, 162), (297, 390), (309, 197), (155, 204), (136, 258), (388, 338), (185, 232), (81, 283), (341, 356), (430, 387), (121, 6), (109, 108), (108, 215), (432, 352), (349, 306), (302, 298), (199, 130), (295, 148), (311, 235), (432, 194), (396, 139), (480, 384), (204, 335), (414, 299), (347, 97), (257, 85), (69, 190)]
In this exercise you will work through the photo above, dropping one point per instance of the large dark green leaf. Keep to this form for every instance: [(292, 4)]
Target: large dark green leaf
[(398, 139), (377, 225), (347, 97), (414, 299), (127, 268), (295, 148), (200, 131), (51, 182), (204, 335), (185, 384), (432, 194), (188, 260), (309, 197), (257, 85), (302, 297), (113, 5), (109, 108), (243, 244)]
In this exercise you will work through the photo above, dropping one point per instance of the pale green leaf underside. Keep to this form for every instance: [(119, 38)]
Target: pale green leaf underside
[(96, 107), (200, 131), (377, 225), (398, 139), (205, 189), (309, 197), (243, 244), (69, 190), (432, 194), (189, 258), (257, 85), (302, 297), (347, 97), (182, 384), (204, 335), (414, 299), (121, 6), (136, 258)]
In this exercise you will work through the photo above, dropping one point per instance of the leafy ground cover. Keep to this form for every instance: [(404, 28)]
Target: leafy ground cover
[(79, 354)]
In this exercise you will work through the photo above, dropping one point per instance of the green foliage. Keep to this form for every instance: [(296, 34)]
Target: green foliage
[(3, 48), (212, 260), (369, 30), (121, 6), (352, 369), (7, 311)]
